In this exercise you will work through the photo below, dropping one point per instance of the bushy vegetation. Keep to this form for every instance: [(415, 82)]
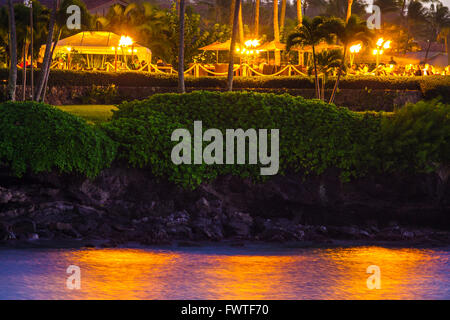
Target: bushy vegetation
[(416, 138), (36, 138), (314, 136)]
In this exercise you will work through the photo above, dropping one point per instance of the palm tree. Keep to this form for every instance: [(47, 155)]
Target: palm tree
[(257, 5), (241, 26), (61, 26), (232, 8), (311, 33), (340, 8), (416, 14), (347, 32), (234, 35), (349, 9), (47, 55), (445, 35), (327, 60), (437, 19), (181, 86), (12, 79), (276, 29), (299, 13), (283, 15)]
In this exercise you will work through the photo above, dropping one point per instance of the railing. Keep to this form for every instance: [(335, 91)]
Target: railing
[(196, 68)]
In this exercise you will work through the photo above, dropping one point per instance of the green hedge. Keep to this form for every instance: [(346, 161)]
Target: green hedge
[(416, 138), (144, 79), (37, 137), (314, 136)]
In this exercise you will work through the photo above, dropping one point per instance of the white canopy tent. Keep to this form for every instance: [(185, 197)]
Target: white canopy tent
[(99, 43)]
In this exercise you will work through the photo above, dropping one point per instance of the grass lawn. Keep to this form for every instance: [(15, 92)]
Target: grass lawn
[(92, 113)]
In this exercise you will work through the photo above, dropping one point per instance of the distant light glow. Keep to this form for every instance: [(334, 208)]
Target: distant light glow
[(356, 48), (380, 42), (125, 41)]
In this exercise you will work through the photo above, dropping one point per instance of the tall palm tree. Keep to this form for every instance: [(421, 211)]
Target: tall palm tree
[(257, 6), (414, 17), (241, 26), (12, 79), (276, 29), (234, 35), (353, 30), (232, 7), (283, 15), (61, 26), (299, 13), (311, 33), (181, 86), (445, 35), (340, 8), (276, 26), (47, 55), (437, 19), (349, 9)]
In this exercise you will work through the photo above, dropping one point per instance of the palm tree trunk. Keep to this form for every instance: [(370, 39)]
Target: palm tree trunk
[(48, 69), (349, 9), (12, 79), (428, 51), (24, 74), (257, 5), (181, 86), (276, 27), (315, 72), (336, 85), (283, 15), (323, 86), (300, 23), (447, 38), (299, 13), (233, 6), (32, 53), (234, 35), (241, 26), (276, 30), (47, 56)]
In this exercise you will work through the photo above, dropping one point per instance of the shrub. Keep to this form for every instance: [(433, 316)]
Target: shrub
[(37, 137), (416, 138), (314, 136), (144, 79)]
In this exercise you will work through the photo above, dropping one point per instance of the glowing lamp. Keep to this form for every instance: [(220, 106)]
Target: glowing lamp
[(356, 48), (380, 42), (125, 41), (253, 43)]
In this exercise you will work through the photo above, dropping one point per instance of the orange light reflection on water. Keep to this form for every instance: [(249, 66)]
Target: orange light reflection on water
[(338, 273)]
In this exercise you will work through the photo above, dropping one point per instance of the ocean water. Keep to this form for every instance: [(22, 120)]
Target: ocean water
[(259, 272)]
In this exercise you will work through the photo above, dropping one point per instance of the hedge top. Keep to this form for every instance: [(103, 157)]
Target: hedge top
[(36, 137)]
